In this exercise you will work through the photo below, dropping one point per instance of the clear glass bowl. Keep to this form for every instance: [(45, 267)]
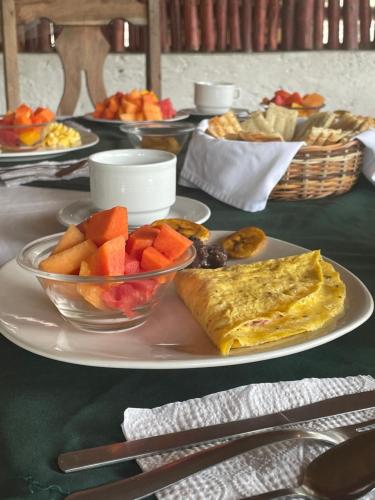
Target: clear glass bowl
[(103, 304), (22, 137), (169, 136)]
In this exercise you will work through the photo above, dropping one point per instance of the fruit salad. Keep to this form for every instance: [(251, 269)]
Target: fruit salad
[(305, 105), (24, 128), (101, 246), (136, 105)]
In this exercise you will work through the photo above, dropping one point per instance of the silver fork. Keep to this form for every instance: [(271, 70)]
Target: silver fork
[(150, 482)]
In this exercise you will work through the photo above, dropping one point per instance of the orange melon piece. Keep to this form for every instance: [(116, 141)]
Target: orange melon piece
[(171, 243), (152, 260), (109, 259), (68, 261), (70, 238), (152, 111), (127, 117), (90, 292), (140, 239), (106, 225)]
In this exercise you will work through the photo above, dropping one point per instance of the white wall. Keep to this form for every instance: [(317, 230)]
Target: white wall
[(346, 79)]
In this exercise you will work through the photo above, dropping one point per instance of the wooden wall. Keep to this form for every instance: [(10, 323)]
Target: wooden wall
[(237, 25)]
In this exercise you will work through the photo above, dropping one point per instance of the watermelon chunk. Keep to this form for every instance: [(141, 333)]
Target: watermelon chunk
[(132, 264), (167, 109), (128, 296)]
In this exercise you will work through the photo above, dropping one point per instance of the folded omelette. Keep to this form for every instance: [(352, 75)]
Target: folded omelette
[(251, 304)]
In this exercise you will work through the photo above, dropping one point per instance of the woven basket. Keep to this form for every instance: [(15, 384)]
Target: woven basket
[(319, 171)]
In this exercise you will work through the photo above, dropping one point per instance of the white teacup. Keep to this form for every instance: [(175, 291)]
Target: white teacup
[(143, 180), (214, 98)]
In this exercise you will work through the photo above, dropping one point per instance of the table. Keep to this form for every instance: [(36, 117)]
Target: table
[(47, 407)]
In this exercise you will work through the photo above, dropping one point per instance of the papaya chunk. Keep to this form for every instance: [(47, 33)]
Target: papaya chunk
[(171, 243), (152, 259), (140, 239), (106, 225), (109, 259)]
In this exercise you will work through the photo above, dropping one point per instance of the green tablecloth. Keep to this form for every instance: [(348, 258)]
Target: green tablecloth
[(47, 407)]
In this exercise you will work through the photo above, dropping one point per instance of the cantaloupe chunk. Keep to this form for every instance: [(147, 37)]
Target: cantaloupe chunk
[(68, 261), (171, 243), (89, 291), (70, 238), (106, 225), (109, 259)]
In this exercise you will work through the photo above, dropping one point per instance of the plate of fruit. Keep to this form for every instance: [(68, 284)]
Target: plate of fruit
[(27, 132), (135, 107), (306, 104)]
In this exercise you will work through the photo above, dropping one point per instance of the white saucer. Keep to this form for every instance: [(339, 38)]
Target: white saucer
[(184, 208), (239, 112)]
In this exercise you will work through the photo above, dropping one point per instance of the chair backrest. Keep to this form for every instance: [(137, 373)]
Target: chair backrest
[(81, 45)]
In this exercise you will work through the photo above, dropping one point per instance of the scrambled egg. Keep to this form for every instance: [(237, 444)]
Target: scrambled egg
[(59, 135), (251, 304)]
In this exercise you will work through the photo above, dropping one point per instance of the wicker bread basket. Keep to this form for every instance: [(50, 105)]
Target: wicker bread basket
[(319, 171)]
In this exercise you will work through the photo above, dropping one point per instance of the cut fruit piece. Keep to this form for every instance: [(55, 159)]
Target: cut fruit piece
[(171, 243), (90, 292), (68, 261), (140, 239), (106, 225), (127, 296), (109, 259), (186, 227), (70, 238), (152, 260), (132, 264), (244, 243)]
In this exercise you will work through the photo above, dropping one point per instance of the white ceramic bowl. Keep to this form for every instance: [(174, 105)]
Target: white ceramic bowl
[(143, 180)]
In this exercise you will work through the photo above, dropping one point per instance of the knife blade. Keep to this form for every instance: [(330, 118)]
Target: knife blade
[(119, 452)]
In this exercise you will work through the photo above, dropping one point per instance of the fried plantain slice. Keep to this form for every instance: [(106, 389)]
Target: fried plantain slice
[(244, 242), (186, 227)]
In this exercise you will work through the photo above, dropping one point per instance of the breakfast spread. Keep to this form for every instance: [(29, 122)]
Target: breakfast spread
[(280, 124), (136, 105), (101, 246), (251, 304)]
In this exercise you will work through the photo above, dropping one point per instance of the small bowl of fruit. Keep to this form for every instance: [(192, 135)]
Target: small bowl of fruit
[(102, 279), (168, 136), (306, 105), (24, 129)]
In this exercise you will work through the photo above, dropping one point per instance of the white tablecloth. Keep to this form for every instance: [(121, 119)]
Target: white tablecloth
[(27, 213)]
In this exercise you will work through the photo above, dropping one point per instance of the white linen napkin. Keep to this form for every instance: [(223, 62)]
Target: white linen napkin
[(368, 168), (265, 469), (241, 174)]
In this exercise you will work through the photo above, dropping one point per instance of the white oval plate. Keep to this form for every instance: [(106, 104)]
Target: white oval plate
[(171, 338), (179, 116), (184, 208), (88, 139)]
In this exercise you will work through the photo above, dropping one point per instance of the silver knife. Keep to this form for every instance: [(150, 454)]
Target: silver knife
[(146, 483), (128, 450)]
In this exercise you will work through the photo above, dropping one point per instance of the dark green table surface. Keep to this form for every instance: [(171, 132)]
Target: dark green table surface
[(47, 407)]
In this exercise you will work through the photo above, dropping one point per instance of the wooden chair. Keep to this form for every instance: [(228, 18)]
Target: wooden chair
[(81, 45)]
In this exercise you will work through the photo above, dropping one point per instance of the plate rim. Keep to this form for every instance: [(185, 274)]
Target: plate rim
[(49, 153), (176, 118), (207, 362), (194, 112), (197, 202)]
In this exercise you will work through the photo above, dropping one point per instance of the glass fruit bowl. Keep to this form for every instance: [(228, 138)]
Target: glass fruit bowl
[(22, 137), (170, 137), (102, 304)]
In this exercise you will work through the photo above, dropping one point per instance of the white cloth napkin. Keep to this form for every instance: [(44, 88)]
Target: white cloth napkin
[(16, 175), (265, 469), (368, 168), (241, 174)]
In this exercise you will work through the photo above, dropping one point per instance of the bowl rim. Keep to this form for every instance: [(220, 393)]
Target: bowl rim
[(183, 262), (173, 127)]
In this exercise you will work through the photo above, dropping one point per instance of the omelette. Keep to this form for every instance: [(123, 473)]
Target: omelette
[(251, 304)]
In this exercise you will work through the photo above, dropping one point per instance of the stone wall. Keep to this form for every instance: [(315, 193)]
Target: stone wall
[(346, 79)]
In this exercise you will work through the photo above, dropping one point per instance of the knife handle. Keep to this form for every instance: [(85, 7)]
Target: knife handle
[(146, 483)]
